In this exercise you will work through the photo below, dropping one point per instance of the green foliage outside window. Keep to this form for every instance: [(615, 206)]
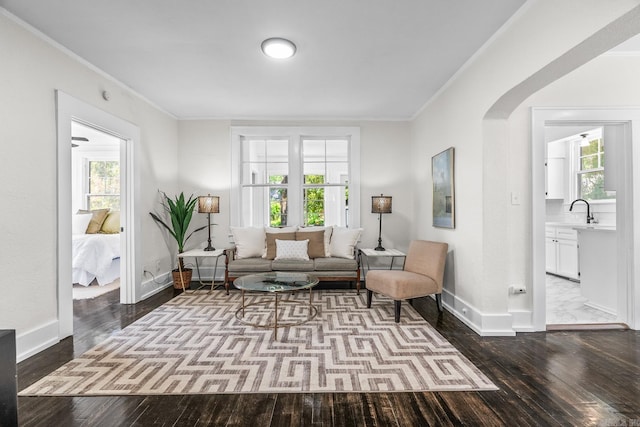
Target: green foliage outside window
[(591, 174), (278, 201), (314, 201), (104, 185)]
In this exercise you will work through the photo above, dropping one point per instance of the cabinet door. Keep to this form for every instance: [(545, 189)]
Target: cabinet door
[(555, 178), (567, 251), (550, 255)]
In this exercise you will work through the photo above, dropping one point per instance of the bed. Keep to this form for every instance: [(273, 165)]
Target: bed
[(95, 247), (95, 256)]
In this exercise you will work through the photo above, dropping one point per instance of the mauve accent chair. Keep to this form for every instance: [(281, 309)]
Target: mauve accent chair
[(422, 275)]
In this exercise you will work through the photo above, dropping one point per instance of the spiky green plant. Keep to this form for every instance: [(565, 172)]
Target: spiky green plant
[(180, 210)]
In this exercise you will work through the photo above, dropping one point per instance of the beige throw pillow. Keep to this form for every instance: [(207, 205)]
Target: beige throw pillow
[(99, 215), (111, 224), (271, 242), (316, 242)]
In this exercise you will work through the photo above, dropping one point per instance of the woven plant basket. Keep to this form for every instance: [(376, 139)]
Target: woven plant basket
[(186, 277)]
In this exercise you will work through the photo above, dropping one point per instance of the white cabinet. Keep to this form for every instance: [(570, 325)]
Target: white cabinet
[(561, 245), (556, 178)]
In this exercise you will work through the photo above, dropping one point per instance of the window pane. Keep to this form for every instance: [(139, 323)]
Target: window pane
[(313, 150), (591, 185), (338, 150), (592, 148), (314, 206), (104, 202), (589, 162), (278, 207), (336, 172), (314, 179), (254, 150), (275, 172), (277, 150), (104, 184)]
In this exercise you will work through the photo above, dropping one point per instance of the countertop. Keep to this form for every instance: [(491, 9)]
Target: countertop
[(583, 226)]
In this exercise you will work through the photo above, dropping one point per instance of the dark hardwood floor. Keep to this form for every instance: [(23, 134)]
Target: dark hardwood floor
[(544, 379)]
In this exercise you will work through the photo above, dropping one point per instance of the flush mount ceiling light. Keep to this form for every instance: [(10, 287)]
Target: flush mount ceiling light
[(584, 142), (278, 48)]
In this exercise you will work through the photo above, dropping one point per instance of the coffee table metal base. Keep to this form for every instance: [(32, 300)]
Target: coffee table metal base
[(313, 311)]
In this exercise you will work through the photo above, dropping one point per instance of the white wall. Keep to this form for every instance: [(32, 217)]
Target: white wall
[(205, 167), (489, 242), (31, 71)]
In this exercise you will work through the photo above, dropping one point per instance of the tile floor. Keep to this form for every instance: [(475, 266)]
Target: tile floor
[(565, 304)]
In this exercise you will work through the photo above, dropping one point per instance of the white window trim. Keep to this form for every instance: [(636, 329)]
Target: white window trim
[(295, 134)]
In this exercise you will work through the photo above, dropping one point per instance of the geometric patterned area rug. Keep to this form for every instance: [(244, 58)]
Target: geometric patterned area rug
[(194, 344)]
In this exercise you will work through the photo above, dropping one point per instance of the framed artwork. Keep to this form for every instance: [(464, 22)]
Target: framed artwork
[(442, 173)]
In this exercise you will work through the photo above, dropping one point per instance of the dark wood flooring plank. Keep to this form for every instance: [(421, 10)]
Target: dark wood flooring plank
[(558, 378)]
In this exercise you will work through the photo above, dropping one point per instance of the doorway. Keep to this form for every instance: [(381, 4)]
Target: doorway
[(624, 240), (580, 225), (71, 110), (95, 204)]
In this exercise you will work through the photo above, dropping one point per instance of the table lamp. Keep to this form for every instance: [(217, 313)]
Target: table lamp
[(380, 205), (209, 204)]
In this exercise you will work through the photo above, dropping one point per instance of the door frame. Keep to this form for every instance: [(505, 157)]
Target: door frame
[(628, 201), (71, 109)]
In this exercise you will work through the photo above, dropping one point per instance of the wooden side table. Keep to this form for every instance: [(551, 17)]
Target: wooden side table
[(201, 253), (372, 253)]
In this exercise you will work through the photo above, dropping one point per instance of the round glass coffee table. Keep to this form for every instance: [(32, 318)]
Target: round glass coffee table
[(276, 283)]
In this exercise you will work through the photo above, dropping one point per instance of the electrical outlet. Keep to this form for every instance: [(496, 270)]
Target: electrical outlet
[(517, 289)]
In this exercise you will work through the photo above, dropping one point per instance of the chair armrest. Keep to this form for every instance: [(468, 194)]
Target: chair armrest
[(229, 255)]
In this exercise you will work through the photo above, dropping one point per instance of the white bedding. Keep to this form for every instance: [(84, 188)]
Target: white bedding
[(95, 256)]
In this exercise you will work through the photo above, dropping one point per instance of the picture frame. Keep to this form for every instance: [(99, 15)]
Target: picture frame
[(443, 174)]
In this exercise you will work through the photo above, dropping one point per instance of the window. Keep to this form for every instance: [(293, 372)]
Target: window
[(302, 176), (103, 184), (590, 170)]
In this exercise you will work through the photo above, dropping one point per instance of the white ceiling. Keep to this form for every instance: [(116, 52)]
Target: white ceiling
[(356, 59)]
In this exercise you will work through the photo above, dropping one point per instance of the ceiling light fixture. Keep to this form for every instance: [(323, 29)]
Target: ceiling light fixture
[(278, 48), (584, 142)]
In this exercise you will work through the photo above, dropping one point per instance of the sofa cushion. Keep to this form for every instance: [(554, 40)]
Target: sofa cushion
[(292, 265), (335, 264), (316, 242), (249, 264), (249, 241), (271, 242)]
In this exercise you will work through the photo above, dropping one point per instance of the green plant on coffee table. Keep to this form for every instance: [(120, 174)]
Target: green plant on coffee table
[(180, 211)]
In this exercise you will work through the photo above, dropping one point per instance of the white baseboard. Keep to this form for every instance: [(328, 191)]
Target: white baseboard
[(483, 324), (151, 287), (36, 340), (522, 320)]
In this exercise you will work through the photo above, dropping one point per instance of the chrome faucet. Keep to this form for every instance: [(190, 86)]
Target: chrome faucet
[(589, 216)]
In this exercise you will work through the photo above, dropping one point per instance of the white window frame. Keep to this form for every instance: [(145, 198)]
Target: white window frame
[(576, 171), (295, 135)]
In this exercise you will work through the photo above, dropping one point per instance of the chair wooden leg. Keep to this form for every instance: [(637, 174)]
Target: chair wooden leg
[(439, 302), (397, 304), (369, 296)]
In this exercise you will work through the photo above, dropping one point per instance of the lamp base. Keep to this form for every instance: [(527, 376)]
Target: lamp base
[(379, 248), (209, 248)]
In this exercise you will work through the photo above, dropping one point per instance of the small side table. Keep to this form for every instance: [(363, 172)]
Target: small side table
[(372, 253), (201, 253)]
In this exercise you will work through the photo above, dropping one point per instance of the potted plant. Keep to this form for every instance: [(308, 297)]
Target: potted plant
[(179, 210)]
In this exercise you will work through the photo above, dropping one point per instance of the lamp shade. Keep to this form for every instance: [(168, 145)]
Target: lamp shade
[(209, 204), (381, 204)]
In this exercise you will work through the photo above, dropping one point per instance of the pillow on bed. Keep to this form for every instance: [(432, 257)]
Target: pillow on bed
[(292, 249), (80, 222), (111, 224), (98, 218)]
